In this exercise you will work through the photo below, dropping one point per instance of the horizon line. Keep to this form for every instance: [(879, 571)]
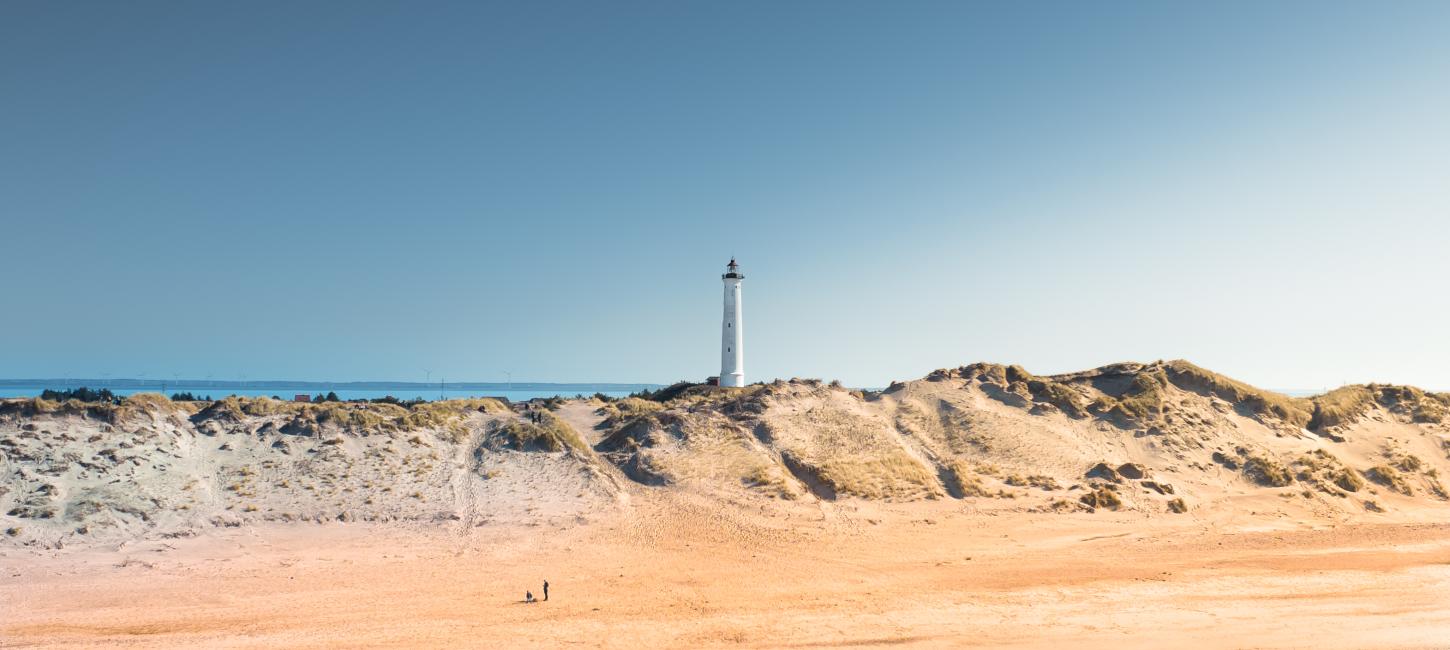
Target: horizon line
[(236, 383)]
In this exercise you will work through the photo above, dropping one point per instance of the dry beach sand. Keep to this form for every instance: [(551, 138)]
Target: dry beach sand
[(669, 574)]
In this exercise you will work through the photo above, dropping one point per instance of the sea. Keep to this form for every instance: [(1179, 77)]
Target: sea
[(287, 390)]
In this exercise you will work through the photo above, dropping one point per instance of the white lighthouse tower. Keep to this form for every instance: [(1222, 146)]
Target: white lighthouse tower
[(732, 338)]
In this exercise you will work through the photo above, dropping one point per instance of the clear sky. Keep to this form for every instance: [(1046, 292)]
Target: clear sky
[(361, 190)]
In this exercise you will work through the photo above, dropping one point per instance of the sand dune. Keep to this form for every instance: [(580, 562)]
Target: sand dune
[(981, 505)]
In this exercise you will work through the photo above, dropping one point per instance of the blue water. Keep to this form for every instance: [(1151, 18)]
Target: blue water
[(403, 392)]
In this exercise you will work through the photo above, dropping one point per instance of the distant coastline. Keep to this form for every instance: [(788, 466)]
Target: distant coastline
[(217, 388)]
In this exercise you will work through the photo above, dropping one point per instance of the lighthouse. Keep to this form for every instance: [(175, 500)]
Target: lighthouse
[(732, 338)]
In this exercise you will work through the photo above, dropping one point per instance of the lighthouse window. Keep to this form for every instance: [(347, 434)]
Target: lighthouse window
[(727, 324)]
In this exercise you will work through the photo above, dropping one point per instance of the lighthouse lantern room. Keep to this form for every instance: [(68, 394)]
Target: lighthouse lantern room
[(732, 336)]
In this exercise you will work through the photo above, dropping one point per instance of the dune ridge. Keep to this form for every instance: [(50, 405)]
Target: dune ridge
[(1165, 439)]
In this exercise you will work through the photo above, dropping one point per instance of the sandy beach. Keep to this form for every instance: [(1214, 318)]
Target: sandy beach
[(672, 573)]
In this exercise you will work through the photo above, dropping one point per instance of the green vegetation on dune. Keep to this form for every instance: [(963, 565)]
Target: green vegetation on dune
[(111, 411), (1347, 405), (1341, 406), (1267, 472), (448, 417), (551, 434), (1291, 410), (356, 416), (1433, 409), (1325, 471), (1145, 396), (623, 411), (445, 413), (964, 481), (1102, 496), (1141, 392), (1390, 478), (892, 474)]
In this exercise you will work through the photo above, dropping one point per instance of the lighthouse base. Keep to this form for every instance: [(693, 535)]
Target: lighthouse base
[(733, 380)]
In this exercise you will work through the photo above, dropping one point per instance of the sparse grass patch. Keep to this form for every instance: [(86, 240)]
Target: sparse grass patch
[(1322, 469), (440, 414), (892, 475), (551, 434), (1034, 480), (623, 411), (1145, 396), (1061, 505), (1267, 472), (964, 481), (769, 476), (146, 403), (1348, 480), (1390, 478), (1291, 410), (368, 417), (1341, 406), (1102, 496), (1432, 408), (1409, 463), (1432, 483), (1177, 505)]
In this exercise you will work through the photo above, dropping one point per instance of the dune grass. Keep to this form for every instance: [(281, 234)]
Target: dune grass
[(1267, 472), (1341, 406), (1291, 410), (892, 475), (1323, 469), (1144, 397), (626, 410), (551, 434), (145, 401), (446, 414), (1432, 409), (1390, 478), (965, 481), (355, 416), (1346, 405), (769, 478), (1102, 496)]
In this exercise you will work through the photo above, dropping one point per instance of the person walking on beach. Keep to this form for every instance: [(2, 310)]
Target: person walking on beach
[(528, 596), (546, 590)]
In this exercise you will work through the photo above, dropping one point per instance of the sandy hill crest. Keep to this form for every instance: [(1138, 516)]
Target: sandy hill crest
[(1163, 438)]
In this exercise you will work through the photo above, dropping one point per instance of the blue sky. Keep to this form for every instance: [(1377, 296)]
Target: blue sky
[(341, 191)]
